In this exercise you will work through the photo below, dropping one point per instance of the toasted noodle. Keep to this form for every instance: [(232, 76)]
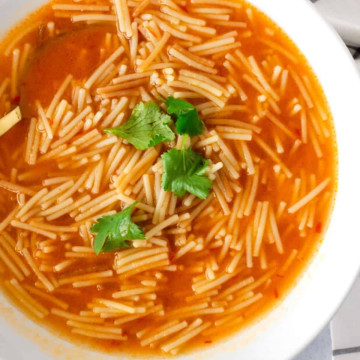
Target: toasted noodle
[(200, 266), (30, 304)]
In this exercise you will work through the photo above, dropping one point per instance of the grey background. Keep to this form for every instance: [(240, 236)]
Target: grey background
[(319, 349)]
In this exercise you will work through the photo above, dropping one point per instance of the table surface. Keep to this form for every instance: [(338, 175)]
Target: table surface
[(319, 349)]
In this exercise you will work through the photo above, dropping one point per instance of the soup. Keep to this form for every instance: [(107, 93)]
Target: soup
[(167, 170)]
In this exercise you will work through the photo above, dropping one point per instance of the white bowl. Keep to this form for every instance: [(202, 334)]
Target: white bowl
[(326, 281)]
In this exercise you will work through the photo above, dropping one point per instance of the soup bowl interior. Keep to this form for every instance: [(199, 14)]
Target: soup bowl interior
[(323, 285)]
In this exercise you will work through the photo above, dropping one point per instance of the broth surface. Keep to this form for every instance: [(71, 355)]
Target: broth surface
[(290, 144)]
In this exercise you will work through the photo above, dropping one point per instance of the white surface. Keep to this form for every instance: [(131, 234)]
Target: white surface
[(346, 324), (345, 17), (348, 357), (309, 307), (319, 349)]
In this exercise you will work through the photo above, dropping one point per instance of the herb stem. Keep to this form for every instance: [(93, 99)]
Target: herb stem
[(184, 141)]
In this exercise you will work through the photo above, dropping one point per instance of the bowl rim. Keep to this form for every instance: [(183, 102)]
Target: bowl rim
[(345, 85)]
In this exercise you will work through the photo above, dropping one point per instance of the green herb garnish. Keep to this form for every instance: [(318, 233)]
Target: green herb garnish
[(146, 127), (183, 171), (113, 232), (186, 115)]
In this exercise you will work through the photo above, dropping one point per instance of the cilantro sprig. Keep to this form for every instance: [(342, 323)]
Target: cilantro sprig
[(186, 115), (146, 127), (113, 232), (184, 172), (184, 169)]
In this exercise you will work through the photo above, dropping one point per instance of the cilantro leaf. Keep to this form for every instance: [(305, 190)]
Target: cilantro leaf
[(146, 127), (113, 232), (178, 106), (184, 171), (189, 123), (186, 115)]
